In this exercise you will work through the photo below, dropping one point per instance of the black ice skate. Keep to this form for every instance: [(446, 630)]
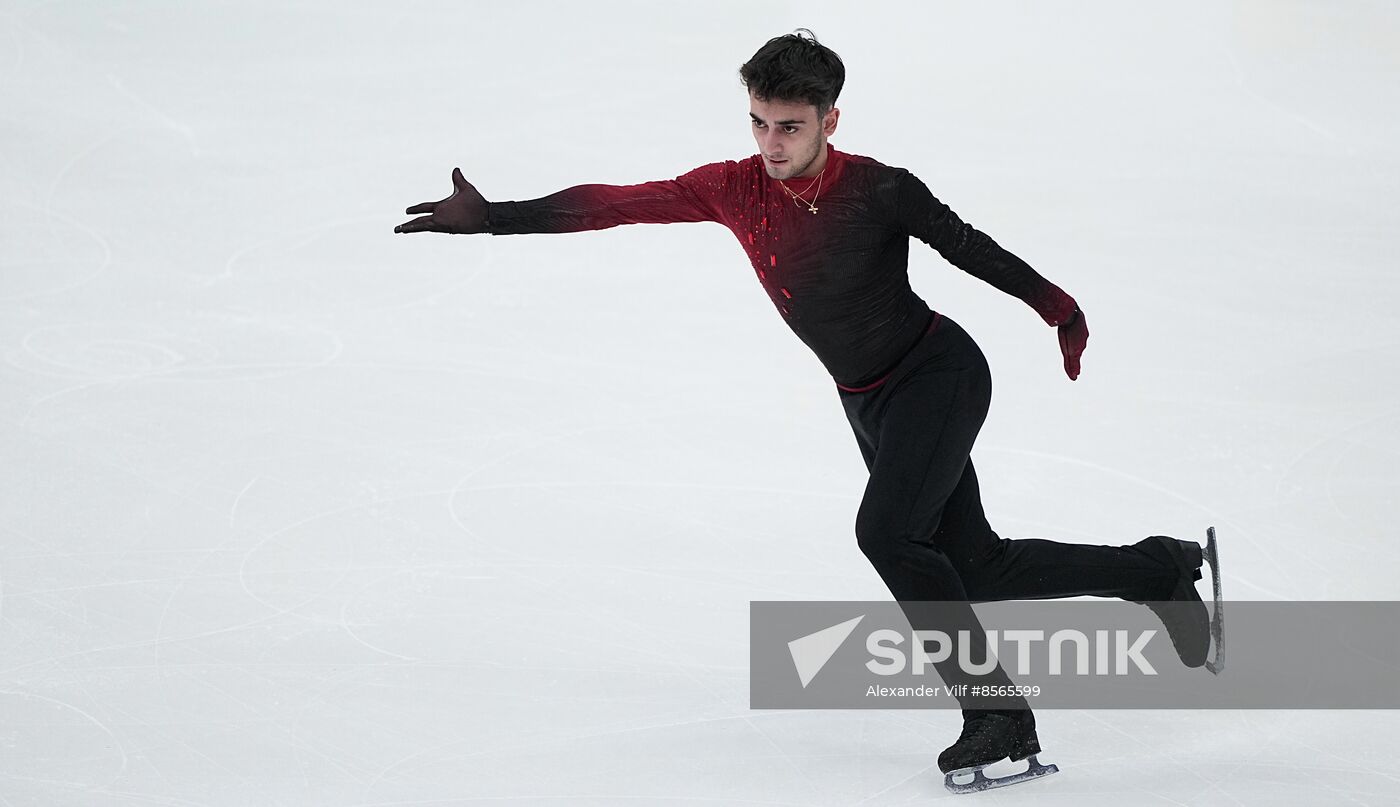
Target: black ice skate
[(1183, 613), (987, 738)]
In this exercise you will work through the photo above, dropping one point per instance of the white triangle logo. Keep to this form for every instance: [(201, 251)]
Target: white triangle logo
[(811, 652)]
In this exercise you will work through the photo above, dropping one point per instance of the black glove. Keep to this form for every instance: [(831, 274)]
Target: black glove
[(463, 212), (1074, 334)]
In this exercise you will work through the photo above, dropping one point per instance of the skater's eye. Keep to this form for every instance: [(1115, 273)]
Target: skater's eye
[(786, 129)]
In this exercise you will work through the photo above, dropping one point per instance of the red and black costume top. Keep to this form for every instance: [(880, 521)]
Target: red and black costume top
[(839, 277)]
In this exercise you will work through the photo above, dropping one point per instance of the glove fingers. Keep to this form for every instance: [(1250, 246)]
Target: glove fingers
[(1072, 346)]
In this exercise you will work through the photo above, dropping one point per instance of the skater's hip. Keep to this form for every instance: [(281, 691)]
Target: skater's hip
[(899, 366), (944, 346)]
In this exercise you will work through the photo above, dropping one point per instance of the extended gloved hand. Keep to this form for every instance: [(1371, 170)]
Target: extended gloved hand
[(1074, 334), (463, 212)]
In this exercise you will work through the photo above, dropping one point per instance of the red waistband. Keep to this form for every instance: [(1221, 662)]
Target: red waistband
[(932, 323)]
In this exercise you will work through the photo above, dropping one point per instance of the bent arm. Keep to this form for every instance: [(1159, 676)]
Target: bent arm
[(693, 196), (923, 216)]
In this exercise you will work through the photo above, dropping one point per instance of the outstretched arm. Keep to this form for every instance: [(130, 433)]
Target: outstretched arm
[(923, 216), (694, 196)]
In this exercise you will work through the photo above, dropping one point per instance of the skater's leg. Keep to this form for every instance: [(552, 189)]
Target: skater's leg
[(925, 428), (1155, 570), (921, 431), (916, 434), (996, 568)]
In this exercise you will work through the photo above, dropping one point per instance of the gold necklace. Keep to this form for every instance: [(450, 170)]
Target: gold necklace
[(812, 205)]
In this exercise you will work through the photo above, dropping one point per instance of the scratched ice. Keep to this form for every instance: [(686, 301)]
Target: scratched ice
[(296, 511)]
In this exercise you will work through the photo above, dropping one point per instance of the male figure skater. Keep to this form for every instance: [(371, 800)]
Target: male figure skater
[(828, 235)]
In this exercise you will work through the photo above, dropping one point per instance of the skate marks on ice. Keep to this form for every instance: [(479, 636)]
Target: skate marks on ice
[(64, 745), (49, 253)]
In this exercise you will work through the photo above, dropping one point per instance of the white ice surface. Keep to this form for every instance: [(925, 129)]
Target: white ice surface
[(296, 511)]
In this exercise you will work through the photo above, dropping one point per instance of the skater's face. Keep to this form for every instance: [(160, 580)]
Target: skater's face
[(790, 137)]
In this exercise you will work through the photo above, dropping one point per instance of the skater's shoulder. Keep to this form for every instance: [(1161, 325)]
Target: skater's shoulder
[(877, 174), (725, 165), (722, 174), (730, 168), (861, 160), (880, 178)]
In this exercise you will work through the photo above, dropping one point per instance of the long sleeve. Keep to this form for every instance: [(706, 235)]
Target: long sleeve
[(923, 216), (694, 196)]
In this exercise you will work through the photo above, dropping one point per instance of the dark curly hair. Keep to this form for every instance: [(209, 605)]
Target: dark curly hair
[(796, 69)]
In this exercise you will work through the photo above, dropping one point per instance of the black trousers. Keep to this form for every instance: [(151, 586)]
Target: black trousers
[(921, 522)]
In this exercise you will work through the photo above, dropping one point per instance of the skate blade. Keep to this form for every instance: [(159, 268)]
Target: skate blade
[(982, 782), (1217, 618)]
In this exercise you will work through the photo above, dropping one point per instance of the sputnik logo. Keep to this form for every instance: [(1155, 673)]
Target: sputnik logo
[(811, 652)]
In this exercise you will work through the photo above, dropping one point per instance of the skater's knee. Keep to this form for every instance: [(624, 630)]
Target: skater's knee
[(877, 545), (979, 567), (881, 535), (913, 569)]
